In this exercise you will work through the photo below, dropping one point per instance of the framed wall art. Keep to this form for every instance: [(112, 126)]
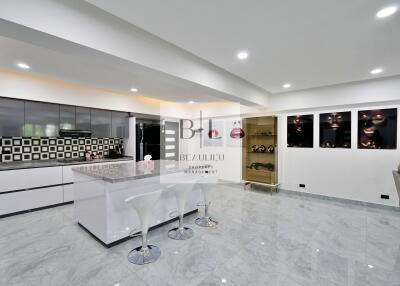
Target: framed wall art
[(335, 130), (300, 131), (377, 129)]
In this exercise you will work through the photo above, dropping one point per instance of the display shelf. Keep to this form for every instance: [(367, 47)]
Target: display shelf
[(253, 127), (250, 152)]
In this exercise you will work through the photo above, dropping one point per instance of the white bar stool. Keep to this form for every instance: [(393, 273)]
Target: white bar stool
[(206, 188), (144, 204), (181, 191)]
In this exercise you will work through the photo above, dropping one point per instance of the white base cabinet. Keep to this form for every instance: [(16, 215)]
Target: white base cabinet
[(26, 200), (29, 178), (27, 189)]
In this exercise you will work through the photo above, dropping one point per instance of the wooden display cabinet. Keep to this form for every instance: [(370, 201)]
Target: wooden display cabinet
[(260, 156)]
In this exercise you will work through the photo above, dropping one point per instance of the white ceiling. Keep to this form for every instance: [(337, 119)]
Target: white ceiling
[(99, 70), (308, 43)]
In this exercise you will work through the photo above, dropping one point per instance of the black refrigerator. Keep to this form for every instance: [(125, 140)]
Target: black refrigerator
[(148, 139)]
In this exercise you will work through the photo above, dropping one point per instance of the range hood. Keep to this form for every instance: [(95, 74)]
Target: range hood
[(75, 133)]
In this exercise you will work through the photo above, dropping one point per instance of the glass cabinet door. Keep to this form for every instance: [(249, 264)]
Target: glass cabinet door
[(259, 150), (100, 123), (120, 124), (67, 117), (11, 117), (41, 119), (82, 120)]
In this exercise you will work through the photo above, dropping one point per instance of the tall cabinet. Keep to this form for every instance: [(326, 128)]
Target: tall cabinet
[(260, 152)]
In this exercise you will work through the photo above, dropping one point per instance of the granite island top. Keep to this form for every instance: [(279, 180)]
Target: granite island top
[(126, 171), (54, 163)]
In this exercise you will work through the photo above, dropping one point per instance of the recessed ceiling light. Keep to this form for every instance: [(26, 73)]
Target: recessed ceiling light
[(376, 71), (287, 85), (386, 12), (191, 102), (242, 55), (370, 266), (134, 89), (23, 66), (223, 280)]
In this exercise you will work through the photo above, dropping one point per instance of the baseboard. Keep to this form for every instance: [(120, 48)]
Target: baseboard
[(35, 209), (341, 200), (321, 197)]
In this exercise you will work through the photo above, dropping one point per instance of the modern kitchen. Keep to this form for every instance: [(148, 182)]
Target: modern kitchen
[(167, 143)]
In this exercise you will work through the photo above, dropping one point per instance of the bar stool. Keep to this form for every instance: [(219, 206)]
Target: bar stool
[(181, 192), (143, 204), (205, 186)]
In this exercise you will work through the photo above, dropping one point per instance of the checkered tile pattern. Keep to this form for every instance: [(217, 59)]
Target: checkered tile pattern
[(27, 148)]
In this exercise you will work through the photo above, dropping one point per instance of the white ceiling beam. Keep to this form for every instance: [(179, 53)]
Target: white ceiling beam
[(89, 26)]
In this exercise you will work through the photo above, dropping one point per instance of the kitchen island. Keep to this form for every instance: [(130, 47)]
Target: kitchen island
[(100, 193)]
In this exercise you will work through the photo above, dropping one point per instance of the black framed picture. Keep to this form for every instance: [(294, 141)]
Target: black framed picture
[(335, 130), (377, 129), (300, 131)]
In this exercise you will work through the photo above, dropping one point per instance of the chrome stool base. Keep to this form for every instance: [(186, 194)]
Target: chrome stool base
[(206, 222), (181, 233), (142, 256)]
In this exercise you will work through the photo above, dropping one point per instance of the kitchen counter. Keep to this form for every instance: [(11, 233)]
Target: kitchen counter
[(116, 173), (54, 163)]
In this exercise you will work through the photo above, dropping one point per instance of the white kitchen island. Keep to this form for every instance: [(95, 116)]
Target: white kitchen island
[(100, 193)]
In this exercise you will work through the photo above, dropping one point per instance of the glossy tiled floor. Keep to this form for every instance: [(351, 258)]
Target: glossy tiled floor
[(261, 240)]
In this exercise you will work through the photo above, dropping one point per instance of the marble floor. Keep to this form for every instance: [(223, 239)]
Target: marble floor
[(262, 239)]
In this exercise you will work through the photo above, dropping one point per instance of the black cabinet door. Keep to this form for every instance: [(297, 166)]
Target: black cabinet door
[(41, 119), (82, 121), (101, 123), (120, 124), (11, 117), (67, 117)]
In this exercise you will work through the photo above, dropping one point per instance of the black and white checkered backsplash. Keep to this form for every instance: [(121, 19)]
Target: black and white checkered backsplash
[(44, 148)]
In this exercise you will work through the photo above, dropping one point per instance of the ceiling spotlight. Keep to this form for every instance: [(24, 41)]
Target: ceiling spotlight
[(287, 85), (376, 71), (242, 55), (370, 266), (133, 89), (23, 66), (386, 12), (223, 280), (191, 102)]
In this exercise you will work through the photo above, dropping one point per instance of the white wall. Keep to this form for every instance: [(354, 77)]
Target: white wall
[(356, 174), (361, 175)]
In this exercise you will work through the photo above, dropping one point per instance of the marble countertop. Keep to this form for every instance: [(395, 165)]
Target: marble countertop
[(54, 163), (126, 171)]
